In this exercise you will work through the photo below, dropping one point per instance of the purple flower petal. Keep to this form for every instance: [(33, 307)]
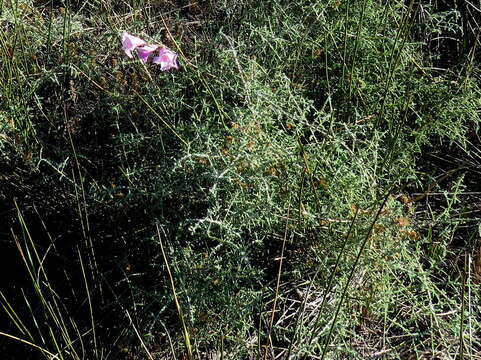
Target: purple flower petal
[(130, 42), (145, 51), (167, 59)]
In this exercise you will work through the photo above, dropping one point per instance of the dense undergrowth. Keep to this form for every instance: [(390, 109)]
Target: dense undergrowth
[(305, 186)]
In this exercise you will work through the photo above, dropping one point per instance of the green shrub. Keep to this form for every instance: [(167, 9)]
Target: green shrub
[(293, 131)]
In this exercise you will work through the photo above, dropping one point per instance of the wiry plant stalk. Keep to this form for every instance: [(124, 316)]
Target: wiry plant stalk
[(186, 334), (351, 275)]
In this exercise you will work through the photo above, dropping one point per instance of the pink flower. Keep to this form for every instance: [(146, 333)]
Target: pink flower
[(145, 51), (167, 59), (130, 42)]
